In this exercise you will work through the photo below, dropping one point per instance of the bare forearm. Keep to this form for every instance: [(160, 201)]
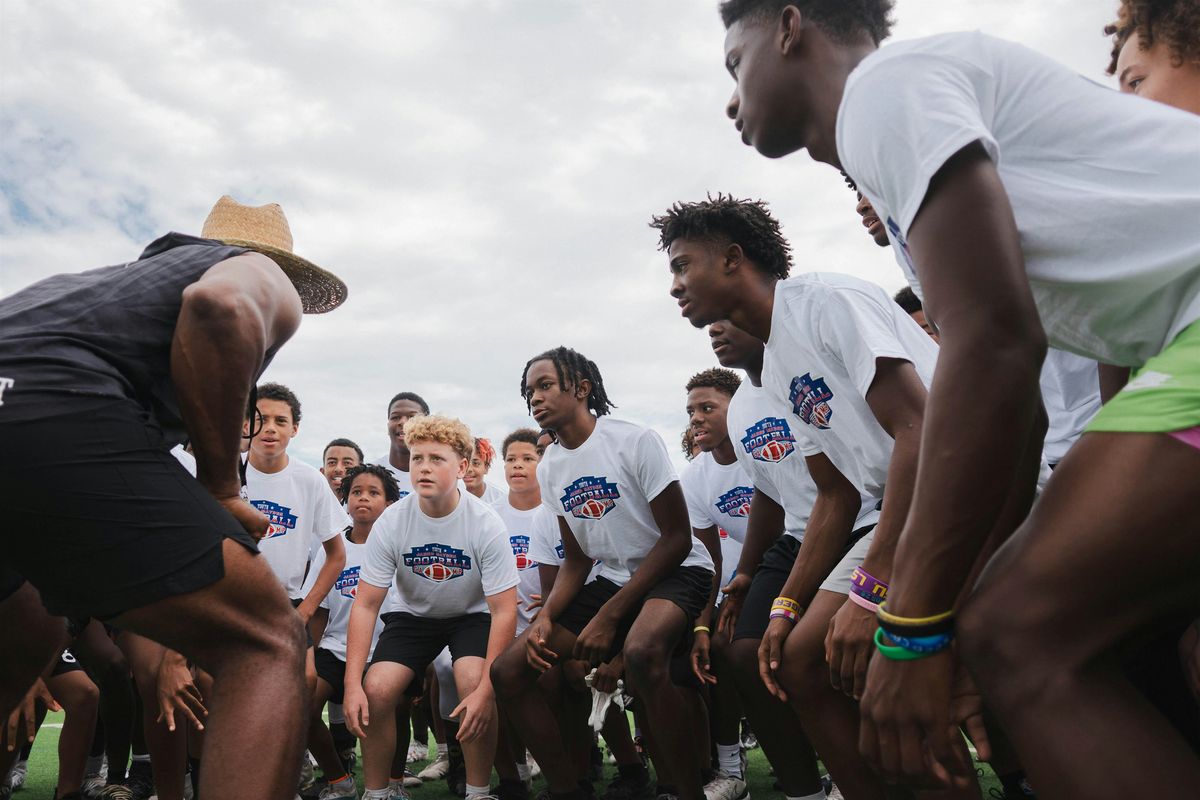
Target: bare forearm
[(763, 529), (825, 538), (898, 494), (358, 641), (325, 579), (712, 542), (979, 419), (567, 583)]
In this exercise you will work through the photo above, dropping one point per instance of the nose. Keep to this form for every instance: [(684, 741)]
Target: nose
[(715, 330), (676, 285), (731, 108), (863, 207)]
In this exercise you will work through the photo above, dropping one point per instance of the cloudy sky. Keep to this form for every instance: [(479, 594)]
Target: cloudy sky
[(480, 173)]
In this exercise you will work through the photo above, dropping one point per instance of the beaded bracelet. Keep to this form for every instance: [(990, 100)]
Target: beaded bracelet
[(893, 652), (867, 586)]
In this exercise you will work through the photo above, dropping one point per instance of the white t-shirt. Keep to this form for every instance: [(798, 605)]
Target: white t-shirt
[(494, 497), (341, 598), (520, 526), (403, 479), (603, 490), (303, 513), (442, 567), (827, 332), (1105, 187), (1071, 393), (184, 457), (718, 495)]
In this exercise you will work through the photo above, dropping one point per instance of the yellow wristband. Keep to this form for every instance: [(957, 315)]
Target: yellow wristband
[(701, 628), (786, 602), (888, 617)]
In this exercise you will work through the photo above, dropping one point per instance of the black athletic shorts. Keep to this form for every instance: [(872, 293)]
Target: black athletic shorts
[(332, 670), (416, 641), (99, 516), (768, 581), (686, 587), (66, 662), (9, 582)]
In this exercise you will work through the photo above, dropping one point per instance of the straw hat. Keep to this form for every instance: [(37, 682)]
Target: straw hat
[(264, 229)]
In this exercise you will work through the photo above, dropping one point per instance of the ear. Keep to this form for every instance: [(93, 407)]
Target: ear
[(583, 388), (734, 256), (791, 26), (463, 463)]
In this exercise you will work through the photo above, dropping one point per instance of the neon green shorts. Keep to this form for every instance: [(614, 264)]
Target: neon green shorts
[(1162, 396)]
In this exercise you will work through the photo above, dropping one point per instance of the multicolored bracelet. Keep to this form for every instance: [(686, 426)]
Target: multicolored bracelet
[(779, 612), (867, 586), (893, 652)]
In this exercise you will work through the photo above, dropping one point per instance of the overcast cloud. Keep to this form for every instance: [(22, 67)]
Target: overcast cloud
[(481, 174)]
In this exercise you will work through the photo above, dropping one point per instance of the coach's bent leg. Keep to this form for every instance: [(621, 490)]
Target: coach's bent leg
[(243, 631), (1110, 550)]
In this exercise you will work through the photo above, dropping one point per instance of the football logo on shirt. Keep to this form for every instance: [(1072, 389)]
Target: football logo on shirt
[(281, 518), (722, 533), (558, 548), (520, 548), (347, 583), (810, 400), (590, 497), (770, 439), (736, 502), (437, 562)]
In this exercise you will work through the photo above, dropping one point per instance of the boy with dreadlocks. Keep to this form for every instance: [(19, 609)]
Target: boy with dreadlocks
[(617, 499), (1011, 189), (853, 368)]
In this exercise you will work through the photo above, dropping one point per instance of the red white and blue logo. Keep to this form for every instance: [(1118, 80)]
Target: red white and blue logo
[(810, 400), (590, 497), (437, 562), (281, 517), (558, 549), (770, 439), (347, 583), (736, 502), (520, 548)]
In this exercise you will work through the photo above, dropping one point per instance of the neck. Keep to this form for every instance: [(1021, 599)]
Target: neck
[(753, 314), (576, 433), (482, 489), (360, 532), (268, 464), (440, 506), (825, 97), (525, 501), (723, 453), (754, 374), (398, 456)]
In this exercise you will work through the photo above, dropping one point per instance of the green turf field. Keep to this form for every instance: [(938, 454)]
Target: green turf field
[(43, 763)]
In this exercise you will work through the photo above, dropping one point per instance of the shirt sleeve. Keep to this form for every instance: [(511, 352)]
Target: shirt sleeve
[(902, 117), (497, 567), (331, 519), (653, 468), (693, 493), (381, 558), (860, 329)]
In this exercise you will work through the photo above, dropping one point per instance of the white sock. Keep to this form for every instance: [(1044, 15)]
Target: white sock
[(523, 771), (377, 794), (443, 749), (729, 759), (478, 791), (817, 795)]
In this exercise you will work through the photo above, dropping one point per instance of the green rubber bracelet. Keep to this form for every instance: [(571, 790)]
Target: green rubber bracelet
[(894, 652)]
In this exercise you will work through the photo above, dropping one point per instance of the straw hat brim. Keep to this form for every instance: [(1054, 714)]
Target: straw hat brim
[(319, 289)]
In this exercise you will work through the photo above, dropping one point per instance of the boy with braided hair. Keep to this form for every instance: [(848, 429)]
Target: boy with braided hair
[(617, 499)]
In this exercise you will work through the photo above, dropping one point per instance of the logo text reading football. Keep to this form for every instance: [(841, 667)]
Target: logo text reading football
[(590, 497), (437, 562)]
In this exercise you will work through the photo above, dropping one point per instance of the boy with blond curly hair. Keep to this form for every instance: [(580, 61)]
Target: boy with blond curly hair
[(449, 554)]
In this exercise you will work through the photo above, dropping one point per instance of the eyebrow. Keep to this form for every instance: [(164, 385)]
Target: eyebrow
[(1125, 73), (677, 261)]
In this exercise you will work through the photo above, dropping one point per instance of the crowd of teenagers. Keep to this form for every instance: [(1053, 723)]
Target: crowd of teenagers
[(958, 519)]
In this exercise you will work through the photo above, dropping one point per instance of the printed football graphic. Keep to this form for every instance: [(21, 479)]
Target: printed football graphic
[(437, 572), (773, 451), (592, 509)]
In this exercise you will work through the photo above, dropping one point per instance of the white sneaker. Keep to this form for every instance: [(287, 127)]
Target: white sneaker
[(307, 775), (411, 781), (16, 776), (534, 769), (834, 793), (417, 752), (397, 791), (342, 790), (92, 784), (437, 769), (726, 787)]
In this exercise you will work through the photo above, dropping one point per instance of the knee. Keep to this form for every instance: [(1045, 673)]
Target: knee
[(647, 663), (742, 655), (509, 672), (805, 670)]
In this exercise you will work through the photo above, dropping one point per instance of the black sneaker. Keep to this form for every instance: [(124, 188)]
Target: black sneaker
[(509, 789), (632, 783)]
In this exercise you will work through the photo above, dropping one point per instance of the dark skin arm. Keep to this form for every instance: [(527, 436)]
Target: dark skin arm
[(701, 662), (829, 526), (979, 421), (897, 399), (239, 309), (567, 581), (1112, 380), (674, 543), (763, 529)]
